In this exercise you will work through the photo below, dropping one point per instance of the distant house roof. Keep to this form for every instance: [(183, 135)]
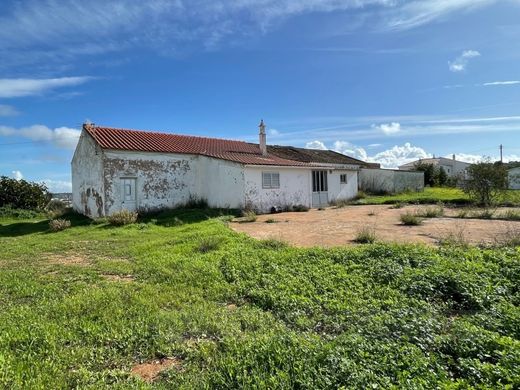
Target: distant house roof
[(236, 151)]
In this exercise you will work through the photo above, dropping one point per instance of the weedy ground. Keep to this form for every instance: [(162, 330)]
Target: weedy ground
[(87, 306)]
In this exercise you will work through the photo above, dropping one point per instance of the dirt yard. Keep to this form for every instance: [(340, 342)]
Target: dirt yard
[(333, 227)]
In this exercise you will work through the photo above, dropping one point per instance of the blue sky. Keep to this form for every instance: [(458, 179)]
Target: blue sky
[(383, 80)]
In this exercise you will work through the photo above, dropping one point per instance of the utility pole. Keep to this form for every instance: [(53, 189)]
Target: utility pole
[(501, 150)]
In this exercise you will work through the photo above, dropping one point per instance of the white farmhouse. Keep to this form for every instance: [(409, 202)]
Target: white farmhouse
[(115, 169), (453, 168), (514, 178)]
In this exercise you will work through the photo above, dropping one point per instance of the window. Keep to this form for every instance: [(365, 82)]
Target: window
[(270, 180), (343, 178)]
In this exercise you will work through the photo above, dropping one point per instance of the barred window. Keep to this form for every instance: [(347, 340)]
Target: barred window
[(270, 180), (343, 178)]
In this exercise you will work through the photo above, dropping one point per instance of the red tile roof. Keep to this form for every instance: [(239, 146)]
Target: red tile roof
[(147, 141)]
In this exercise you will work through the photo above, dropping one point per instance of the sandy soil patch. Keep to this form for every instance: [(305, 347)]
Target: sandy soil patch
[(149, 371), (67, 259), (333, 227), (119, 278)]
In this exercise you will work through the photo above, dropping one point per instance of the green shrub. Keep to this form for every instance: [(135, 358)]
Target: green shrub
[(272, 243), (397, 205), (410, 219), (123, 217), (8, 212), (271, 220), (56, 225), (21, 194), (366, 235)]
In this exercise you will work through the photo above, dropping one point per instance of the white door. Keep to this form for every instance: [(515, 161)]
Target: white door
[(129, 199), (320, 194)]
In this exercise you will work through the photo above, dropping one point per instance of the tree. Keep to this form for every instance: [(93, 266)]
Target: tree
[(486, 182), (429, 173), (22, 194), (442, 177)]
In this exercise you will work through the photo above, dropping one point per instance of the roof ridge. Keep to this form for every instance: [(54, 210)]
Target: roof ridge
[(94, 127)]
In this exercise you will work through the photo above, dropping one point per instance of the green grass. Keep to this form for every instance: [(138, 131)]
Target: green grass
[(374, 316), (434, 195)]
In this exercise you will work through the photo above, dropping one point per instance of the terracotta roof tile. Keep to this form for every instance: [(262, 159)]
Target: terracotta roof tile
[(148, 141)]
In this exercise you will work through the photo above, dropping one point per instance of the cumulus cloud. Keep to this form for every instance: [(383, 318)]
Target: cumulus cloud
[(62, 137), (388, 128), (390, 158), (17, 175), (461, 62), (10, 88), (316, 145), (6, 110)]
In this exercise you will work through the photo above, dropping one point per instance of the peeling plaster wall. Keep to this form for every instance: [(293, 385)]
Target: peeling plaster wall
[(221, 183), (162, 180), (87, 178), (339, 191), (295, 188)]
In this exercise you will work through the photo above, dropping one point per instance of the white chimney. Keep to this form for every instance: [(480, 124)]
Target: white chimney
[(262, 139)]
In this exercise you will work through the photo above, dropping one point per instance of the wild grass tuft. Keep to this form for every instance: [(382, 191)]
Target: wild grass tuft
[(248, 216), (57, 225), (410, 219), (366, 235), (123, 217), (431, 212)]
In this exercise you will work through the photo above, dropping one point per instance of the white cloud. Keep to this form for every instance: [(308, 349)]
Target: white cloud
[(17, 175), (350, 150), (388, 128), (461, 62), (419, 12), (10, 88), (316, 145), (399, 155), (512, 82), (73, 28), (6, 110), (58, 185), (62, 137), (274, 132)]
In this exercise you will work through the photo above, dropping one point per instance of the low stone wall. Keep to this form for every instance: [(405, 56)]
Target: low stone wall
[(390, 181)]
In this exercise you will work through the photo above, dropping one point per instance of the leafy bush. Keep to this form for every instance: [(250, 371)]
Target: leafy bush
[(366, 235), (56, 225), (123, 217), (21, 194), (410, 219), (487, 182)]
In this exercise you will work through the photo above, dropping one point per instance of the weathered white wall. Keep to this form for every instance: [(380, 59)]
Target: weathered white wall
[(390, 181), (162, 180), (514, 178), (338, 191), (295, 188), (87, 178), (221, 183)]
